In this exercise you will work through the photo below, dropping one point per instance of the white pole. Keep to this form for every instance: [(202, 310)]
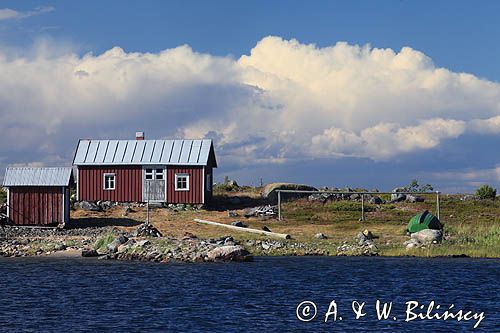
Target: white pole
[(362, 207), (279, 205), (147, 203), (438, 206)]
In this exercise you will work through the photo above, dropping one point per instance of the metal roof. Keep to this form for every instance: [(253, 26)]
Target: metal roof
[(37, 176), (143, 152)]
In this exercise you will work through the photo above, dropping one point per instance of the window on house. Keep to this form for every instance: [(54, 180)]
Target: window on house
[(181, 182), (149, 173), (159, 174), (109, 181)]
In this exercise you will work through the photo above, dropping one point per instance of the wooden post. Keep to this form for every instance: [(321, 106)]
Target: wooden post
[(255, 231), (438, 208), (279, 205), (362, 207)]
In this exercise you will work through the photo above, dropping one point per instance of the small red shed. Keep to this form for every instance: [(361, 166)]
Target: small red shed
[(168, 171), (38, 196)]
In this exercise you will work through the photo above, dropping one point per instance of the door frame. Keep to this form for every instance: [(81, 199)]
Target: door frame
[(143, 180)]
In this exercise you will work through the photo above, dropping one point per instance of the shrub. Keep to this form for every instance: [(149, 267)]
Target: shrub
[(486, 192)]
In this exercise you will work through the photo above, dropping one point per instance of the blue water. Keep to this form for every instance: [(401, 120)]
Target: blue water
[(42, 294)]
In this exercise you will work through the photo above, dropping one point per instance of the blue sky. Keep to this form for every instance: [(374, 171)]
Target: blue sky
[(359, 113)]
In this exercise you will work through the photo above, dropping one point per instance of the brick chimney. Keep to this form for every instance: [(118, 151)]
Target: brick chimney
[(139, 135)]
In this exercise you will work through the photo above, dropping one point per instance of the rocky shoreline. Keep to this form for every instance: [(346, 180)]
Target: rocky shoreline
[(147, 244)]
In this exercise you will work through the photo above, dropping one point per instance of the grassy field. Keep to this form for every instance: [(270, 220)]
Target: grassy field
[(471, 227)]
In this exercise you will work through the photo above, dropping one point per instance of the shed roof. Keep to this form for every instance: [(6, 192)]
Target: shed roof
[(37, 176), (144, 152)]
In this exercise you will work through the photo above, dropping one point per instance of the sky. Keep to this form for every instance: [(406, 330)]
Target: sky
[(365, 94)]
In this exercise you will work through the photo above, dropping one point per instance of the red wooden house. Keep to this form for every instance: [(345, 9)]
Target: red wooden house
[(38, 196), (170, 171)]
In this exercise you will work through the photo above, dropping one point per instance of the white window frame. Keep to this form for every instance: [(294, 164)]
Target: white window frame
[(179, 175), (156, 173), (104, 181), (152, 173)]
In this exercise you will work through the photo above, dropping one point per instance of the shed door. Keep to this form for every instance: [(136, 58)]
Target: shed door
[(153, 188)]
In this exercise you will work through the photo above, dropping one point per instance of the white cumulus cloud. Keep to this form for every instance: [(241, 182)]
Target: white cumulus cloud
[(11, 14), (283, 101)]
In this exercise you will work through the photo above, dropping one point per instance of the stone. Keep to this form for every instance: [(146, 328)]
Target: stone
[(89, 253), (355, 196), (123, 248), (375, 200), (90, 206), (189, 236), (113, 246), (322, 197), (320, 236), (427, 236), (412, 243), (232, 213), (59, 247), (239, 224), (414, 198), (229, 253), (398, 197), (368, 234), (266, 210), (142, 243), (127, 211), (105, 205), (146, 230)]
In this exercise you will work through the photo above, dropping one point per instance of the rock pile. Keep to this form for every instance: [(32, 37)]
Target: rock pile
[(324, 197), (146, 230), (262, 211), (364, 246), (187, 249)]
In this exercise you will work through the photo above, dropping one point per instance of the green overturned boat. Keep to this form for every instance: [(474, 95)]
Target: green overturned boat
[(424, 220)]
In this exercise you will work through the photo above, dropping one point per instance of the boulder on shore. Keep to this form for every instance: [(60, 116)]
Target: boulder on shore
[(269, 191), (119, 240), (229, 253), (89, 253), (427, 236)]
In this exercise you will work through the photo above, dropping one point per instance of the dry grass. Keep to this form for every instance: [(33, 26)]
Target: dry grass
[(472, 227)]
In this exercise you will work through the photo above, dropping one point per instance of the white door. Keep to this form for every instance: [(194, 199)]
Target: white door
[(153, 188)]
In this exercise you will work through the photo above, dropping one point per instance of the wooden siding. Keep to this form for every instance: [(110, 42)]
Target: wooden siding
[(195, 193), (35, 205), (128, 183)]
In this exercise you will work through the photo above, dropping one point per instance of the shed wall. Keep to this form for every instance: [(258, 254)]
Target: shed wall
[(195, 193), (128, 185), (35, 205), (209, 187)]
